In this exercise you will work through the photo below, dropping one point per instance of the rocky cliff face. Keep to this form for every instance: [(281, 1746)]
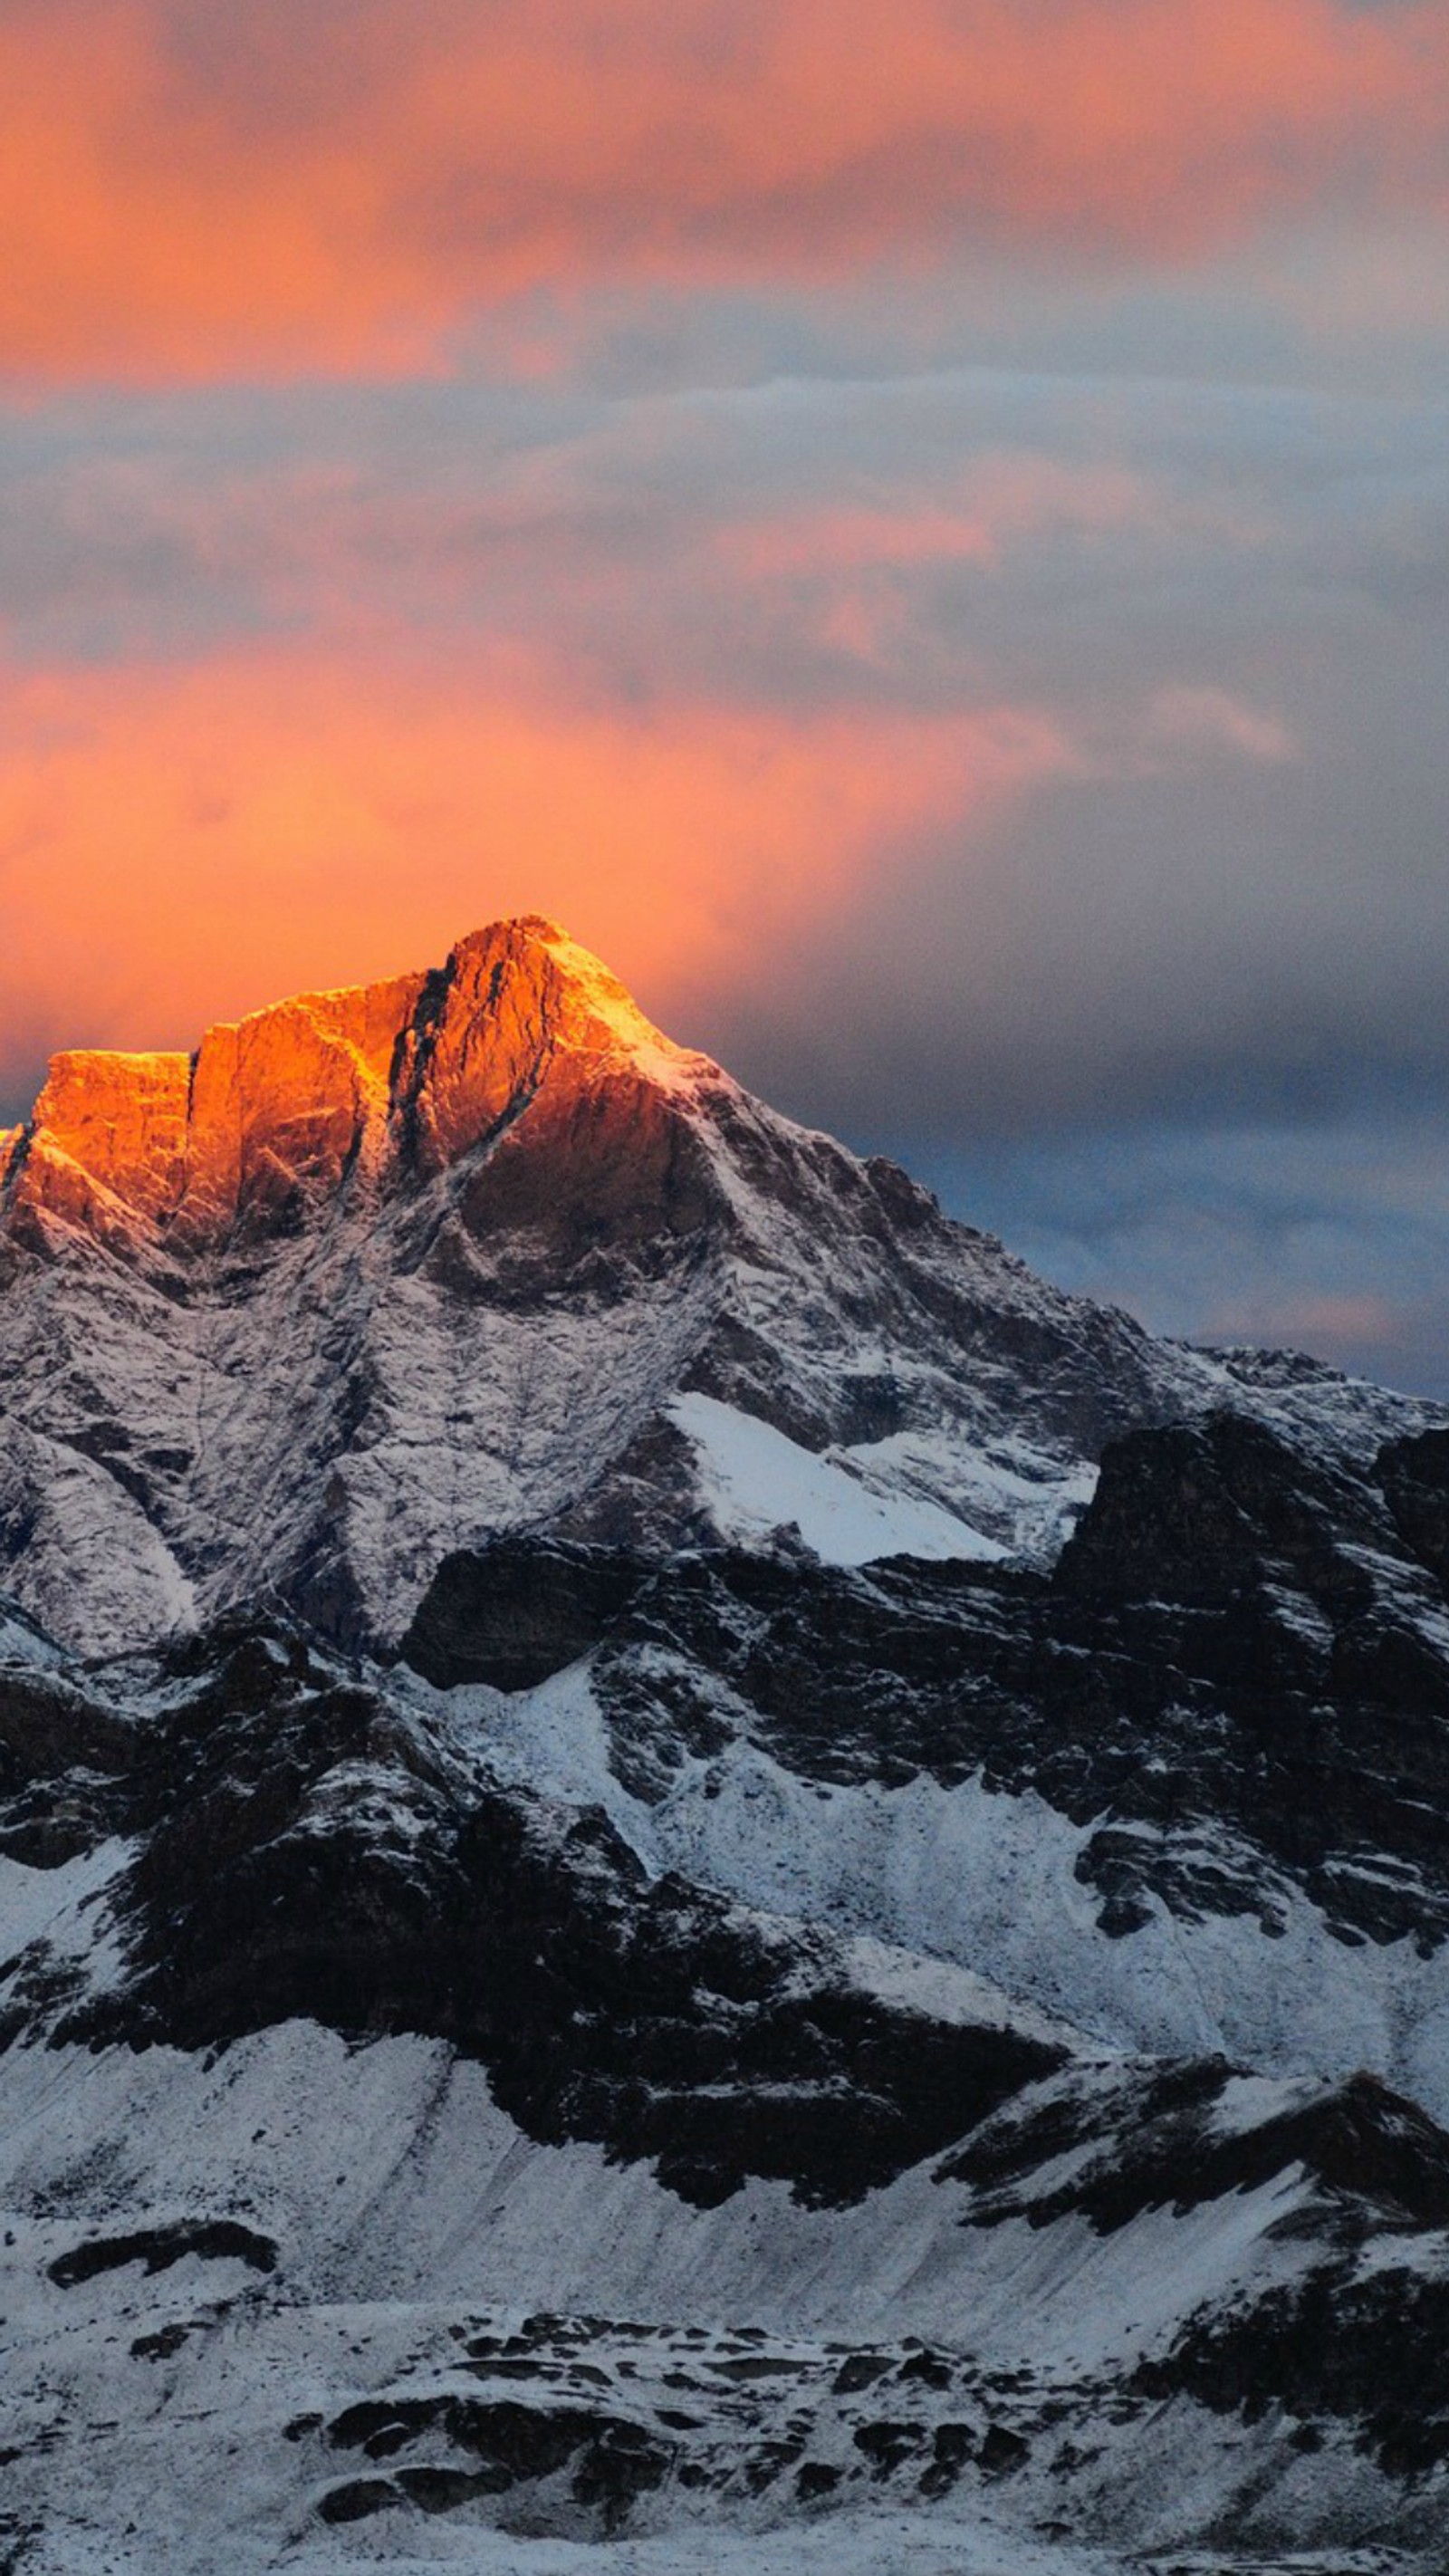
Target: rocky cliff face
[(682, 1864)]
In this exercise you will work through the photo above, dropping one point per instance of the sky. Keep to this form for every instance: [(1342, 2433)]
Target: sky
[(922, 534)]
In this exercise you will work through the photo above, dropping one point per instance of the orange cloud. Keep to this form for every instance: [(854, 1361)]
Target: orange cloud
[(184, 844), (188, 192)]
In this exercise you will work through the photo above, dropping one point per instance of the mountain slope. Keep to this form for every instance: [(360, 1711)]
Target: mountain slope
[(383, 2143), (684, 1867), (1186, 1790)]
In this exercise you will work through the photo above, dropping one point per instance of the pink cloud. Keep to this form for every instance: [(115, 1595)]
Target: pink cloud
[(186, 194)]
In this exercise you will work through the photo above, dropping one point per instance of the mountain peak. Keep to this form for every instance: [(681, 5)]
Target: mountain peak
[(288, 1099), (530, 962)]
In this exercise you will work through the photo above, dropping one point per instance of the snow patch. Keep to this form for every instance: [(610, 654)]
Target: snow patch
[(756, 1481)]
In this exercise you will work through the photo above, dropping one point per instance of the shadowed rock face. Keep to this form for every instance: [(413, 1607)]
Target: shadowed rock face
[(302, 1845), (602, 1173), (611, 2460), (1148, 2137), (1414, 1475), (514, 1613), (1367, 2352), (157, 2248), (1203, 1508)]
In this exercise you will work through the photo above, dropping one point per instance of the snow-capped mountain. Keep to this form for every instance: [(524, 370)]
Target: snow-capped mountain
[(377, 1273), (690, 1878)]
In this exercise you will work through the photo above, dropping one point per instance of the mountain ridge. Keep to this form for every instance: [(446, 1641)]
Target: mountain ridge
[(515, 1261), (190, 1140)]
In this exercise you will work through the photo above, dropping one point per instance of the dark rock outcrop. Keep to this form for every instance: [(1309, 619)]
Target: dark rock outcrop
[(513, 1613), (1414, 1477), (304, 1850)]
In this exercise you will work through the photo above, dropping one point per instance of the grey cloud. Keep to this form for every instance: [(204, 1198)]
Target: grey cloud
[(1329, 1235), (601, 532)]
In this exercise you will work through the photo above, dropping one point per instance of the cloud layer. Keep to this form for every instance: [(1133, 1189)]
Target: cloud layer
[(187, 192)]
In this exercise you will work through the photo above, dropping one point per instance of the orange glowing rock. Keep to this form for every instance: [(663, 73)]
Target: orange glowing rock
[(108, 1128), (511, 1000), (281, 1102), (275, 1110)]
